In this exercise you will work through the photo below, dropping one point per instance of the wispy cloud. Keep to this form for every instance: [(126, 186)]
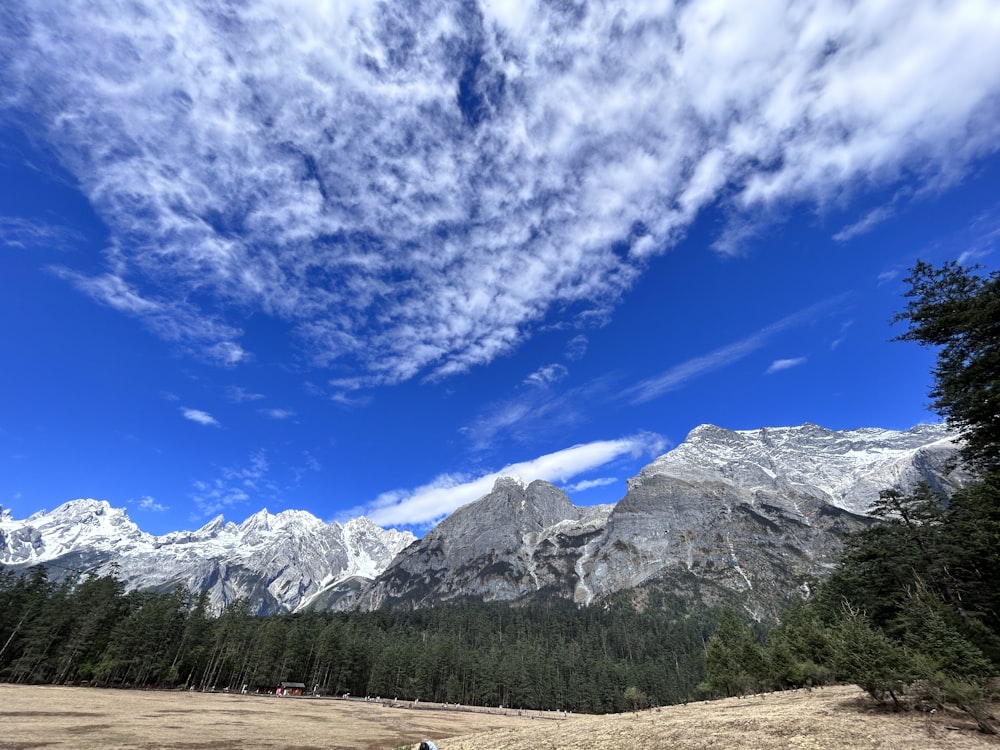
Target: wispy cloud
[(433, 501), (589, 484), (278, 413), (205, 335), (888, 276), (32, 234), (678, 376), (784, 364), (533, 414), (148, 503), (238, 394), (577, 347), (199, 416), (545, 376), (234, 486), (226, 353), (865, 224), (412, 191), (842, 336)]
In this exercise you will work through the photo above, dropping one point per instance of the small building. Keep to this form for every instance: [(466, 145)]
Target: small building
[(291, 688)]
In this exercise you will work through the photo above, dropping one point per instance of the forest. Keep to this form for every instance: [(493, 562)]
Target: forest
[(556, 656), (911, 613)]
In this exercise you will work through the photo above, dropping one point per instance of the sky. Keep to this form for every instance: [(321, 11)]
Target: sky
[(362, 258)]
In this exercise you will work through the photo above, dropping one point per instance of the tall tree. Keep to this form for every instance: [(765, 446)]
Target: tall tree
[(958, 311)]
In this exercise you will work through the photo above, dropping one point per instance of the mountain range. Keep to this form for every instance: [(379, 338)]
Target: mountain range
[(745, 517)]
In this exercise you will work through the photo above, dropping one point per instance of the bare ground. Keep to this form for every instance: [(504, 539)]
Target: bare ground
[(51, 717), (838, 717), (82, 718)]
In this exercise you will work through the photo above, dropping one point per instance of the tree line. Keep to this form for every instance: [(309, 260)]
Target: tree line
[(551, 655), (912, 612)]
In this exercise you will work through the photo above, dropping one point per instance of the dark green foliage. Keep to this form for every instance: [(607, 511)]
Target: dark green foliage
[(946, 664), (958, 312), (548, 656), (867, 656), (800, 651), (735, 662)]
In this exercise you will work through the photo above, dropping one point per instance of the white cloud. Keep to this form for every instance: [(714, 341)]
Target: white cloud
[(842, 336), (589, 484), (678, 376), (865, 224), (886, 276), (174, 320), (148, 503), (784, 364), (234, 486), (238, 394), (31, 234), (199, 416), (577, 347), (437, 499), (546, 376), (413, 190), (226, 353), (534, 415), (278, 413)]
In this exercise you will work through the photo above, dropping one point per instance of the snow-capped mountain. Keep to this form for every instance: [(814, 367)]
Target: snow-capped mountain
[(846, 469), (738, 516), (278, 562), (727, 515)]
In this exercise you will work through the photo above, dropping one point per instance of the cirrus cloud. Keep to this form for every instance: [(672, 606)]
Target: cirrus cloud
[(199, 416), (413, 190)]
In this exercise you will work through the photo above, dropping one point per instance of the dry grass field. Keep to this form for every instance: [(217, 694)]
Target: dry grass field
[(37, 717), (839, 718), (828, 719)]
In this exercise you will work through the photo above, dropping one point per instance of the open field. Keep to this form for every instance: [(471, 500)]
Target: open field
[(827, 719), (37, 717), (838, 718)]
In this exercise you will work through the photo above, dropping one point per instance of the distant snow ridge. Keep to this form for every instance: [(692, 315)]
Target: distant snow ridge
[(846, 469), (277, 562)]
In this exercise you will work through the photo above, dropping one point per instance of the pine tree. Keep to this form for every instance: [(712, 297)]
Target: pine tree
[(958, 311)]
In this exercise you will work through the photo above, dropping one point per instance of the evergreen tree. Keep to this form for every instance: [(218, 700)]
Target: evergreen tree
[(958, 311), (735, 662)]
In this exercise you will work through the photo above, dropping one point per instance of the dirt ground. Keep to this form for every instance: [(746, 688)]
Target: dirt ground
[(53, 717), (839, 718), (828, 719)]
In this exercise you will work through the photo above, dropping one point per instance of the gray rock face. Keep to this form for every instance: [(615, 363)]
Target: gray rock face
[(502, 547), (753, 511), (737, 516)]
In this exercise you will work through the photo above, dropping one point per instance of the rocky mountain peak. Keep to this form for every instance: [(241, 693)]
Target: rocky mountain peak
[(843, 467), (509, 480), (728, 515), (277, 562)]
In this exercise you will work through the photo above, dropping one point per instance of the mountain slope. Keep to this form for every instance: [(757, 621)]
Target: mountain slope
[(276, 562), (734, 516)]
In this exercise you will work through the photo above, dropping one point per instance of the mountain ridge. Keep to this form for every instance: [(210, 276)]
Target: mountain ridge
[(739, 514)]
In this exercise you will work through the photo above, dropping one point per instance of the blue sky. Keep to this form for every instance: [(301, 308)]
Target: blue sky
[(359, 258)]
